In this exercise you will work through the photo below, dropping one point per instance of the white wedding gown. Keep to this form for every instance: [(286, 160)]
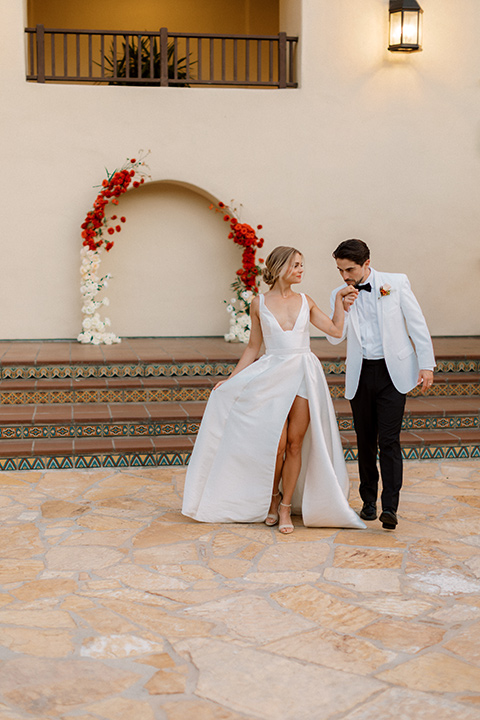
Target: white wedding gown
[(231, 470)]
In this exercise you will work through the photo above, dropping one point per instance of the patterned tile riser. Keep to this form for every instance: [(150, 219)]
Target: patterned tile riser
[(106, 430), (156, 429), (55, 397), (185, 369), (181, 458)]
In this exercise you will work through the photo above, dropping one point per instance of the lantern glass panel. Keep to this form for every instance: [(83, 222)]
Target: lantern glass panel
[(396, 28), (410, 28)]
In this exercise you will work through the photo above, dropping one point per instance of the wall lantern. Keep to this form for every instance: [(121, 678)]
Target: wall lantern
[(405, 25)]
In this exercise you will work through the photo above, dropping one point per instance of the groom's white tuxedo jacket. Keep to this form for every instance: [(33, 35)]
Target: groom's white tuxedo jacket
[(401, 321)]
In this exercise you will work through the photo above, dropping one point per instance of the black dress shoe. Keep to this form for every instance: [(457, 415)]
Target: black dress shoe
[(388, 518), (368, 511)]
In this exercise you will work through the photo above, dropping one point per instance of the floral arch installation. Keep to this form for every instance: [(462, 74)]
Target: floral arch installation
[(98, 231)]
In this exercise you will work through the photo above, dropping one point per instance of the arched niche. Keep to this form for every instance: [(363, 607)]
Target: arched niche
[(172, 264)]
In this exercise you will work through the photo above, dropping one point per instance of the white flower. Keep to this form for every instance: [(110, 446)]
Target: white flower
[(89, 308), (233, 300), (106, 301), (230, 308)]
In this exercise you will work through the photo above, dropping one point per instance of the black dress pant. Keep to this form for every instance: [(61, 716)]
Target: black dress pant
[(378, 410)]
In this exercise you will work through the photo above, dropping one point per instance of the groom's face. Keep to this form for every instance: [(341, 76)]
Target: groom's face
[(351, 272)]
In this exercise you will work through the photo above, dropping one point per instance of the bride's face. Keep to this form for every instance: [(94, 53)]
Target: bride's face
[(294, 271)]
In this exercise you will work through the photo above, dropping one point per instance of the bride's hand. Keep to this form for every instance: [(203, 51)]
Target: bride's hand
[(348, 294)]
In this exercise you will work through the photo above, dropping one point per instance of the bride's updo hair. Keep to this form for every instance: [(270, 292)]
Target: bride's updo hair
[(277, 263)]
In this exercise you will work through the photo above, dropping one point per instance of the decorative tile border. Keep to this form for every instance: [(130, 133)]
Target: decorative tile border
[(184, 394), (98, 395), (156, 428), (115, 460), (85, 462), (99, 430), (51, 372), (458, 366)]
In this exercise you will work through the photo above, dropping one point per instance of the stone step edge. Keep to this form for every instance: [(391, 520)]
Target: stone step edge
[(222, 368), (181, 458)]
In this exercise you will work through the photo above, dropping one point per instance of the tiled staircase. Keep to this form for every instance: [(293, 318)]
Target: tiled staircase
[(140, 403)]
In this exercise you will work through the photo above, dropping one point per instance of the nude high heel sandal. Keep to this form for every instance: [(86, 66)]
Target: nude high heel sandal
[(286, 529), (272, 518)]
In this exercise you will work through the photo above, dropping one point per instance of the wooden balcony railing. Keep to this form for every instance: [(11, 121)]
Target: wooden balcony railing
[(160, 58)]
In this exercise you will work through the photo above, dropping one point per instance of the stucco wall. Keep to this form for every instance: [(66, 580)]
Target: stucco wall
[(377, 145)]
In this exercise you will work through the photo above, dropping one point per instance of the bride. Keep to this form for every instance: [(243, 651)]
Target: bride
[(268, 444)]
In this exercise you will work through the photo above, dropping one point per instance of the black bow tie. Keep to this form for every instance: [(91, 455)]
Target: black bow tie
[(366, 287)]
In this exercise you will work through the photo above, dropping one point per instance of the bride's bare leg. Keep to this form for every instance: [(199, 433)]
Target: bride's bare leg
[(298, 421), (272, 517)]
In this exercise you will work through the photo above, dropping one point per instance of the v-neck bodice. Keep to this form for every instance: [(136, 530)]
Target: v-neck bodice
[(280, 341)]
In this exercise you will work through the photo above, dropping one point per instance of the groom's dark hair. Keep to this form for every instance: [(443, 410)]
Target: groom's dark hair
[(355, 250)]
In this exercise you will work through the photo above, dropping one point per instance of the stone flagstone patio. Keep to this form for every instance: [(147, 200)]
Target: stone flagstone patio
[(115, 607)]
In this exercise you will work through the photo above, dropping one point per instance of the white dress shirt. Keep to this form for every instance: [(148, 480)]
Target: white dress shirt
[(366, 302)]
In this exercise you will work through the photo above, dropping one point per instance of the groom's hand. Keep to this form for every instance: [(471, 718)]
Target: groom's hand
[(349, 295), (425, 379)]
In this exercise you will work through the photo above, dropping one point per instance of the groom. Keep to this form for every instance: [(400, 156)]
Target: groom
[(382, 366)]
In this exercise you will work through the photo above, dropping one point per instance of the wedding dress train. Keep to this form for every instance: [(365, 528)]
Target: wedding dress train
[(231, 470)]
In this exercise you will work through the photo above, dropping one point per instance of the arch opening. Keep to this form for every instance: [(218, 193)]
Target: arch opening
[(172, 264)]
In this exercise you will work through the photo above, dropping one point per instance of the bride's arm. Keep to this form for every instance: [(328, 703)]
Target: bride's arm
[(331, 326), (250, 353)]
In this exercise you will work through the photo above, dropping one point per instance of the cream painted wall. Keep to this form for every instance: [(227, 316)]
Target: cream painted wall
[(171, 265), (374, 144)]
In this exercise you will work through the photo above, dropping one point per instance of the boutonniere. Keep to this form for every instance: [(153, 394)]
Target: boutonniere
[(385, 290)]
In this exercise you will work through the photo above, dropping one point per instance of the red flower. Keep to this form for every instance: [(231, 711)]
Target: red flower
[(226, 218), (114, 217), (108, 246), (220, 204), (117, 228), (111, 231), (261, 260), (136, 184), (259, 227), (123, 219), (133, 160)]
